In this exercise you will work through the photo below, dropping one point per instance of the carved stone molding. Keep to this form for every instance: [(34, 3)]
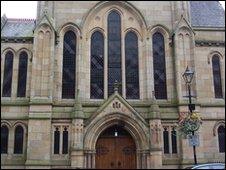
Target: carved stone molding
[(209, 43)]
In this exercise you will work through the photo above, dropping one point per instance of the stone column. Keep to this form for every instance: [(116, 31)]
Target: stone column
[(39, 136), (77, 154), (39, 143), (155, 137)]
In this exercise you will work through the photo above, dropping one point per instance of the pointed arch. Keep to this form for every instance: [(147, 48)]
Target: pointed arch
[(22, 74), (19, 139), (4, 138), (135, 31), (221, 138), (159, 28), (8, 74), (159, 65), (135, 128), (69, 65), (216, 68), (97, 66), (69, 26), (124, 4), (132, 66), (114, 50)]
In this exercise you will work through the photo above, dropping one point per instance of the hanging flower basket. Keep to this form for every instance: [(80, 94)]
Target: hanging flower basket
[(189, 124)]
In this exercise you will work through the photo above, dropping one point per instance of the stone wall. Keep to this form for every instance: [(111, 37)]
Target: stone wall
[(43, 108)]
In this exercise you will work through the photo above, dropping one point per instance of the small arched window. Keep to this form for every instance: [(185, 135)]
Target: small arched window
[(166, 140), (69, 63), (8, 72), (4, 139), (22, 75), (97, 66), (65, 141), (114, 51), (132, 66), (159, 66), (174, 140), (217, 77), (57, 141), (18, 141), (221, 138)]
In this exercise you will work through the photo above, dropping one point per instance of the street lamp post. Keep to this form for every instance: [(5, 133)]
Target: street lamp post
[(188, 76)]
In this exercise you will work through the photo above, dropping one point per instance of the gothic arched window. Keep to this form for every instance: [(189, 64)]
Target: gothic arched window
[(174, 140), (8, 72), (217, 77), (131, 66), (221, 138), (159, 66), (69, 63), (114, 51), (97, 66), (22, 75), (57, 141), (18, 141), (65, 141), (166, 140), (4, 139)]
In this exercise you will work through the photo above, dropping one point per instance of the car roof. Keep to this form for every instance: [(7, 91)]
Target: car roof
[(208, 164)]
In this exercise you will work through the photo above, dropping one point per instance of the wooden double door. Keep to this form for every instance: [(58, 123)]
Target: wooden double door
[(115, 152)]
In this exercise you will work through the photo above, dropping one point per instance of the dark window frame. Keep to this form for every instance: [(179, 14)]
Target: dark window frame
[(132, 66), (65, 141), (174, 141), (4, 139), (97, 66), (216, 68), (19, 140), (114, 51), (166, 141), (56, 148), (22, 74), (221, 138), (159, 65), (69, 65), (8, 74)]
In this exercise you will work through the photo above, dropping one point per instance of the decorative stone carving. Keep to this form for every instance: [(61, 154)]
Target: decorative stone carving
[(97, 18), (156, 128)]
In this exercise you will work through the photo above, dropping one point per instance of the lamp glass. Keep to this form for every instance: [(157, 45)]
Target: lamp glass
[(188, 75)]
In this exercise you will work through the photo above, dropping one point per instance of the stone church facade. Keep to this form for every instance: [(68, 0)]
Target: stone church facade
[(98, 84)]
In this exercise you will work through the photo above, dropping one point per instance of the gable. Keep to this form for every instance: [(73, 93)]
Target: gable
[(116, 104)]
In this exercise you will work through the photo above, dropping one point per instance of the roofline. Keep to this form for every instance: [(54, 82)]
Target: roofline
[(21, 19), (196, 28)]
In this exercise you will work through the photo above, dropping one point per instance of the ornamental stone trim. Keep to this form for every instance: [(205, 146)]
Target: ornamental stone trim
[(202, 43)]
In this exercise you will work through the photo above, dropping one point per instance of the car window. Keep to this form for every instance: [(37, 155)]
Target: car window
[(204, 167)]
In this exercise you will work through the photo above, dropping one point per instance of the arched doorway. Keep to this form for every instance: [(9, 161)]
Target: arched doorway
[(115, 149)]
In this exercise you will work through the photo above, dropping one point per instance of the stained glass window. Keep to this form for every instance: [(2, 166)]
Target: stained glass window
[(69, 62), (132, 67), (159, 66), (65, 141), (114, 51), (217, 77), (22, 75), (97, 66), (174, 141), (56, 141), (166, 140), (4, 139), (221, 138), (18, 142), (8, 71)]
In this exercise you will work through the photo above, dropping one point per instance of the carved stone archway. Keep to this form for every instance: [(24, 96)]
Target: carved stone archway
[(136, 128)]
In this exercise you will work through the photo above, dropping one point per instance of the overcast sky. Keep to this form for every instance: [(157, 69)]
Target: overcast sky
[(27, 9)]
